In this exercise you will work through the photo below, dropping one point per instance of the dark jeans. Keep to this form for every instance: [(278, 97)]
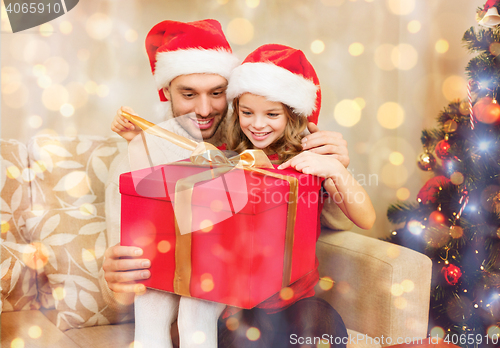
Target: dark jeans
[(304, 324)]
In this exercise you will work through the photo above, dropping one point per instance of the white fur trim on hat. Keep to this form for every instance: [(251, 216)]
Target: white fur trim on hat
[(276, 84), (171, 64)]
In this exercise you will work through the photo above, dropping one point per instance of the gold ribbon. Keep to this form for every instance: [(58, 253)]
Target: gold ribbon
[(205, 155)]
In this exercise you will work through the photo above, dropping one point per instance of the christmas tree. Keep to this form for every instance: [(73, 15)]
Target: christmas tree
[(456, 221)]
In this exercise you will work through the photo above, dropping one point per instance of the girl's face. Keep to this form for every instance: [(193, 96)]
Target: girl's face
[(262, 121)]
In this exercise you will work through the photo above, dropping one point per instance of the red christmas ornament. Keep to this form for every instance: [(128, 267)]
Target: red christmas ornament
[(428, 192), (487, 110), (452, 274), (437, 218), (443, 149)]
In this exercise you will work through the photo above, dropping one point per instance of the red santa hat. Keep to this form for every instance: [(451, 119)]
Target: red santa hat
[(176, 48), (282, 74)]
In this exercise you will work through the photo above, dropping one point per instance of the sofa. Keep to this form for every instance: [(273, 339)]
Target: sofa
[(53, 235)]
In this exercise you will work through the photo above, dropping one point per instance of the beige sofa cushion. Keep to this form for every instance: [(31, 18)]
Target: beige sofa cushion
[(17, 263), (73, 242)]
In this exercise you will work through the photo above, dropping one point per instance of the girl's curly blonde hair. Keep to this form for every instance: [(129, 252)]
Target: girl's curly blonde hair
[(286, 146)]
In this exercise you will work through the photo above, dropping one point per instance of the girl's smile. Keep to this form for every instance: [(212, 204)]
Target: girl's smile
[(261, 120)]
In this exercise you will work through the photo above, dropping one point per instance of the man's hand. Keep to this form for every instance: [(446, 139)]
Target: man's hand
[(326, 143), (123, 267), (123, 127)]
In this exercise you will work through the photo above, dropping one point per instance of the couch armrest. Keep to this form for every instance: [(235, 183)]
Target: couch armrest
[(381, 289)]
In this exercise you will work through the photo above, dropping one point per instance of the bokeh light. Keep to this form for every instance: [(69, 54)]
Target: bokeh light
[(495, 48), (356, 49), (232, 323), (382, 57), (326, 283), (216, 205), (414, 26), (199, 337), (78, 95), (54, 96), (67, 110), (206, 225), (59, 293), (494, 332), (44, 81), (240, 31), (361, 102), (442, 46), (18, 98), (393, 251), (87, 209), (46, 29), (437, 331), (401, 7), (404, 56), (13, 172), (347, 113), (415, 227), (66, 27), (252, 3), (407, 285), (457, 178), (253, 334), (11, 79), (99, 26), (88, 255), (91, 87), (35, 121), (102, 91), (5, 226), (164, 246), (286, 293), (57, 69), (396, 158), (28, 174), (131, 35), (335, 3), (317, 46), (454, 87), (456, 232), (35, 51), (400, 303), (17, 343), (403, 194), (35, 331), (136, 344), (397, 290), (207, 282), (390, 115)]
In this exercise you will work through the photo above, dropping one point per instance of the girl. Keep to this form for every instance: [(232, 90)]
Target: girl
[(275, 94)]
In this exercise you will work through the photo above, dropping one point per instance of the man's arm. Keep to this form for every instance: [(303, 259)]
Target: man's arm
[(329, 143)]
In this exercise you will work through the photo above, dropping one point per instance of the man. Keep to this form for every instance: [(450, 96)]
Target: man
[(191, 63)]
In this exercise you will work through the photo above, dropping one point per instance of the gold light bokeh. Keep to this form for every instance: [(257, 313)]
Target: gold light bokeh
[(407, 285), (335, 3), (325, 283), (57, 69), (199, 337), (13, 172), (5, 226), (493, 331), (400, 303), (347, 113), (393, 251), (394, 176), (286, 293), (59, 293), (317, 46), (46, 29), (442, 46), (396, 158), (404, 56), (437, 331), (390, 115), (382, 57), (88, 255), (361, 102), (454, 87), (99, 26), (397, 290), (35, 121), (206, 225), (457, 178), (240, 31), (252, 3), (35, 331), (495, 48), (164, 246), (131, 35), (66, 27), (17, 343), (88, 209), (414, 26), (232, 323), (67, 110), (401, 7), (253, 334), (356, 49), (403, 193), (54, 96)]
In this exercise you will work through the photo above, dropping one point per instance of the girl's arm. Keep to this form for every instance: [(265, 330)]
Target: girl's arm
[(349, 195)]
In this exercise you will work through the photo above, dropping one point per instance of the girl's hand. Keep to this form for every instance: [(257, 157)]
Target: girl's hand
[(326, 143), (124, 127), (307, 162)]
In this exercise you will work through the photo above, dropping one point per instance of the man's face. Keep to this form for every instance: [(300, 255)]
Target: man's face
[(203, 96)]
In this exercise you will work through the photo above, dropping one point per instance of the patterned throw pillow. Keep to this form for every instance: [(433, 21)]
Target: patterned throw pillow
[(71, 245), (70, 171), (18, 276)]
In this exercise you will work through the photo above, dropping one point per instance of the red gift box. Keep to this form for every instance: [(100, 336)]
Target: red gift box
[(240, 259)]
